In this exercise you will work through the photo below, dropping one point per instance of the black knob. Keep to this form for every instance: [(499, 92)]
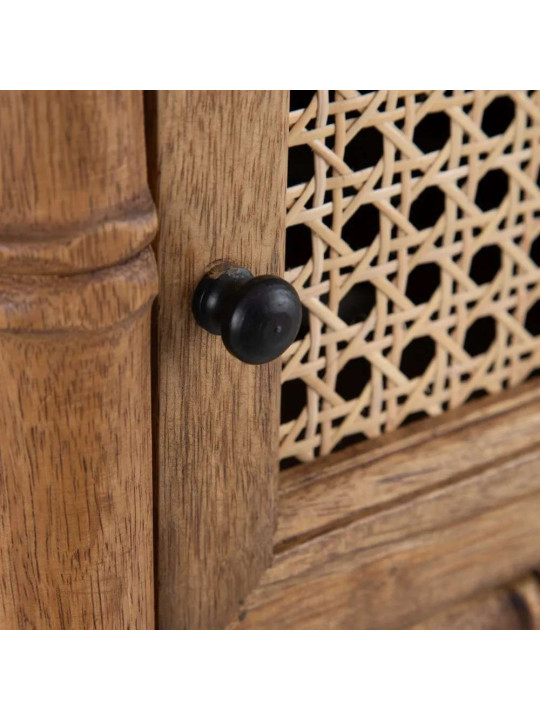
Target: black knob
[(257, 317)]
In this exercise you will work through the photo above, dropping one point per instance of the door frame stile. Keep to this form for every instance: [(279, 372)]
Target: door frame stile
[(220, 190)]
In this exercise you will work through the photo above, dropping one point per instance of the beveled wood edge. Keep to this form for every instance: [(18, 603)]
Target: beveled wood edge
[(393, 568), (476, 530), (338, 489)]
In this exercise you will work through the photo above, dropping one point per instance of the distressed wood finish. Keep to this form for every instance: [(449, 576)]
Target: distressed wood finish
[(220, 190), (73, 192), (75, 448), (477, 527), (333, 491), (511, 607)]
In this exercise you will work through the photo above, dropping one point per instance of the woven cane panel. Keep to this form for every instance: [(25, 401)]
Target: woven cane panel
[(413, 239)]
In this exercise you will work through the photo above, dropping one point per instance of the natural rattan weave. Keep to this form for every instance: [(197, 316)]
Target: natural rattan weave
[(413, 240)]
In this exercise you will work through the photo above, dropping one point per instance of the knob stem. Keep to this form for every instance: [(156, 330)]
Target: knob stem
[(211, 297)]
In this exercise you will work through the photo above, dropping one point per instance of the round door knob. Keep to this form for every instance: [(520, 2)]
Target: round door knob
[(257, 317)]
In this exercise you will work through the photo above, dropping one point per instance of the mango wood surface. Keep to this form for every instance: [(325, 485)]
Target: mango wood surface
[(73, 190), (475, 528), (333, 491), (75, 440), (515, 606), (220, 189)]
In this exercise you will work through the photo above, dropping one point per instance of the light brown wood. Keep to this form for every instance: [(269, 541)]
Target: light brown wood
[(527, 593), (75, 442), (75, 458), (221, 195), (494, 610), (73, 194), (479, 528), (511, 607), (333, 491), (89, 301)]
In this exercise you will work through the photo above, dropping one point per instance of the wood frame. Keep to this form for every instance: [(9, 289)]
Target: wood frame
[(76, 286), (382, 535), (449, 509), (218, 196)]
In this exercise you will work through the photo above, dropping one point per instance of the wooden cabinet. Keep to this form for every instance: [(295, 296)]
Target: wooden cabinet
[(384, 473)]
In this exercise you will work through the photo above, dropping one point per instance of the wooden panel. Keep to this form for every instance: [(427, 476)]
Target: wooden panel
[(391, 568), (512, 607), (220, 192), (333, 491), (75, 447)]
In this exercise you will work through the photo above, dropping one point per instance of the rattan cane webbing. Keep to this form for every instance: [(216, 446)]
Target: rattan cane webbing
[(413, 240)]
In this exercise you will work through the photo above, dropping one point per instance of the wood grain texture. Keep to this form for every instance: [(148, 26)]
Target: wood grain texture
[(220, 193), (330, 492), (75, 463), (89, 301), (75, 442), (515, 606), (389, 569), (73, 190)]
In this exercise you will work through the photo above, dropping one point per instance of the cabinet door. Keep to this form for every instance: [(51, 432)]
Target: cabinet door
[(412, 239)]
